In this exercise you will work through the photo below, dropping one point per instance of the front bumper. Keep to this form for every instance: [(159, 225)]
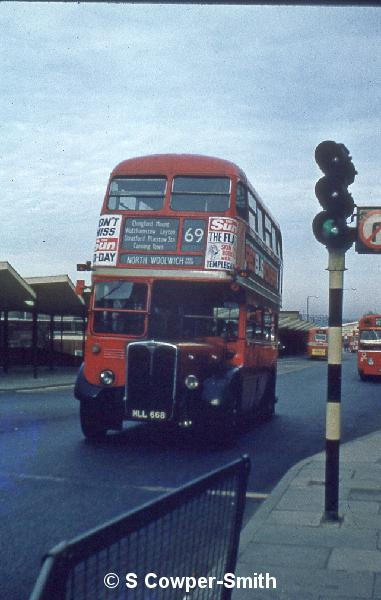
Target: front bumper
[(189, 407)]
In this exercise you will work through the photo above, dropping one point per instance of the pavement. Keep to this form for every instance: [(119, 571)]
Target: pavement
[(20, 379), (309, 558)]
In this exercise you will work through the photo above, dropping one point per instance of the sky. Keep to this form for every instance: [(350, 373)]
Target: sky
[(84, 86)]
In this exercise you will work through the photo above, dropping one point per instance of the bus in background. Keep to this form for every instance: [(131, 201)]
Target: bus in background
[(354, 341), (317, 344), (369, 351), (186, 291)]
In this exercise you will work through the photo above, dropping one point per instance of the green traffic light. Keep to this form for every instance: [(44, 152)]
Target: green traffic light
[(333, 232), (330, 229)]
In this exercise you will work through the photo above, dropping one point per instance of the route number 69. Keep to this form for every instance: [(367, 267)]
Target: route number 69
[(192, 234)]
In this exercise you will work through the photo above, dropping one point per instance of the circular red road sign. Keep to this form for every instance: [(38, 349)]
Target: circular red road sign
[(370, 229)]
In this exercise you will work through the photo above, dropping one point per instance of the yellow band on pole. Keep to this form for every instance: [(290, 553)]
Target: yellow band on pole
[(333, 421), (334, 346)]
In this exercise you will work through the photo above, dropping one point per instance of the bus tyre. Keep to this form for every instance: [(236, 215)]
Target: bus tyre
[(267, 410), (223, 431), (362, 376), (92, 421)]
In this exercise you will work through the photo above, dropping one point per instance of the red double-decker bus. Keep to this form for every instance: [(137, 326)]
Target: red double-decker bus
[(369, 347), (186, 290), (317, 344)]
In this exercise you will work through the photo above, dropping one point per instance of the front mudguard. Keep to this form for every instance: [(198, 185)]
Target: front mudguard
[(83, 390), (107, 400), (222, 390)]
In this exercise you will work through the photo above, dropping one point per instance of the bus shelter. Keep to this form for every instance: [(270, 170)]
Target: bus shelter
[(293, 331), (52, 296)]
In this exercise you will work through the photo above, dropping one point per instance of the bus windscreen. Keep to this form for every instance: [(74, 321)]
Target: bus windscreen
[(200, 194), (142, 193), (370, 335)]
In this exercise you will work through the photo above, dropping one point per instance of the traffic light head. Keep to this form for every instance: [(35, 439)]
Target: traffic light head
[(333, 195), (334, 159), (330, 227), (333, 231)]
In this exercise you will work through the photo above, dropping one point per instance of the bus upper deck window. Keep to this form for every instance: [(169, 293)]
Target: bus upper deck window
[(201, 194), (260, 222), (274, 244), (268, 232), (137, 193), (278, 244), (241, 201), (253, 217)]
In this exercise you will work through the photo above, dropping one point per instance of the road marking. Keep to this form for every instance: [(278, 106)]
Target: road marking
[(293, 369), (256, 496), (147, 488), (49, 388), (152, 488), (34, 477)]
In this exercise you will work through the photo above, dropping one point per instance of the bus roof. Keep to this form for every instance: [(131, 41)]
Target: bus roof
[(184, 164), (177, 164)]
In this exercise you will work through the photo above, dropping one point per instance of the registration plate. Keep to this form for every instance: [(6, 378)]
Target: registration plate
[(318, 352), (151, 415)]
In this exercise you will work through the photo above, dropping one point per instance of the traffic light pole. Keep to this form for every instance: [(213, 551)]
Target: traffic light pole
[(331, 229), (336, 268)]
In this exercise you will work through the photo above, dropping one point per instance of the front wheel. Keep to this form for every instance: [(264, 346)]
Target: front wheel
[(223, 429), (362, 376), (267, 407), (92, 421)]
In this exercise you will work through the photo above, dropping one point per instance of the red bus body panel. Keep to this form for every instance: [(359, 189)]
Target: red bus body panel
[(369, 351)]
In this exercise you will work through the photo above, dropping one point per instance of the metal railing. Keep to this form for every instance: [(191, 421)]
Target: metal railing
[(189, 534)]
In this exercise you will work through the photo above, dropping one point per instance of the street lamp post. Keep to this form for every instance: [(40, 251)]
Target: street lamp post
[(308, 305)]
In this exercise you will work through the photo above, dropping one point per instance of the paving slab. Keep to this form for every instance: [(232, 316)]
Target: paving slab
[(350, 559), (327, 536)]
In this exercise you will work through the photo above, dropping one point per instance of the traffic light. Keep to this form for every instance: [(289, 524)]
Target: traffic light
[(330, 226)]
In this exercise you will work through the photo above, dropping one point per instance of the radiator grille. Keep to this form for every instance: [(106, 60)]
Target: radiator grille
[(151, 380)]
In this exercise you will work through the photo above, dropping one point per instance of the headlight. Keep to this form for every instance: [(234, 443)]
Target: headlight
[(107, 377), (370, 362), (191, 382)]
